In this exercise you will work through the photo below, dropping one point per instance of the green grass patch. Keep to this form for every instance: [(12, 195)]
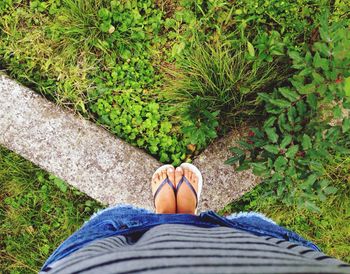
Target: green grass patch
[(222, 79), (99, 58), (37, 211), (328, 228), (106, 59)]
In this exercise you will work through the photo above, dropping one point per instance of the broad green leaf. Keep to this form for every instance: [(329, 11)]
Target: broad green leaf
[(301, 108), (321, 196), (312, 100), (306, 71), (269, 122), (295, 56), (236, 150), (215, 113), (277, 177), (60, 184), (330, 190), (272, 149), (324, 183), (307, 89), (245, 145), (317, 77), (283, 124), (322, 48), (251, 49), (232, 160), (312, 207), (177, 49), (286, 141), (320, 62), (306, 142), (290, 94), (280, 103), (242, 167), (292, 114), (297, 83), (292, 151), (311, 179), (346, 125), (264, 96), (271, 134), (280, 163), (291, 171), (317, 167), (258, 168)]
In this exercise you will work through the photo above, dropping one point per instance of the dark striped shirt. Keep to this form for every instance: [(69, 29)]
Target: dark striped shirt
[(189, 249)]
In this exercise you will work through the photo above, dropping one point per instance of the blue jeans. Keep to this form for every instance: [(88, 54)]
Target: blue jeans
[(125, 219)]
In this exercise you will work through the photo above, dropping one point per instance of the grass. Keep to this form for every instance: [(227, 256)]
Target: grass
[(328, 228), (53, 58), (226, 80), (79, 52), (37, 212)]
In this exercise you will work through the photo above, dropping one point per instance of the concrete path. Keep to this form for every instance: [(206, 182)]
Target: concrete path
[(222, 184), (91, 159)]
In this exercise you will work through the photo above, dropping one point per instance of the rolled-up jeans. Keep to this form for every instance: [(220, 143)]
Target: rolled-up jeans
[(126, 220)]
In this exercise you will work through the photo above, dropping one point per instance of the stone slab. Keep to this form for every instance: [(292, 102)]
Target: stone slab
[(83, 154), (97, 163), (222, 184)]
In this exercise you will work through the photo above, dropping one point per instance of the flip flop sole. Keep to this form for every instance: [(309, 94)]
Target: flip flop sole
[(196, 171)]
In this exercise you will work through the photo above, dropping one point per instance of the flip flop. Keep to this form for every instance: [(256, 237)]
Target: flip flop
[(196, 171), (165, 181)]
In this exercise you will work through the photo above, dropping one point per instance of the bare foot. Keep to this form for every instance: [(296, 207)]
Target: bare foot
[(165, 201), (185, 199)]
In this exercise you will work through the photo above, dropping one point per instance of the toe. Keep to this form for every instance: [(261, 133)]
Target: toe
[(155, 178), (178, 175), (191, 175), (163, 175), (171, 174), (187, 173)]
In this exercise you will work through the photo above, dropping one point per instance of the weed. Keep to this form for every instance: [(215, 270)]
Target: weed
[(41, 58), (140, 123), (307, 122), (225, 81)]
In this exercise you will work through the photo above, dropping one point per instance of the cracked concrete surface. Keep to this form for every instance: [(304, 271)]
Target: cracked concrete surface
[(91, 159), (222, 184)]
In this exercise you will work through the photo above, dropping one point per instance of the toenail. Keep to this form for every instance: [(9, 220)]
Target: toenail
[(171, 170), (178, 169)]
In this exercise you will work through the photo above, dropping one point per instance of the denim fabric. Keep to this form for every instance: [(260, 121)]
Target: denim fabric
[(125, 220)]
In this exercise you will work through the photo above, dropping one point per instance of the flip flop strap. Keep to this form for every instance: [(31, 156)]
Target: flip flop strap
[(184, 179), (165, 181)]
